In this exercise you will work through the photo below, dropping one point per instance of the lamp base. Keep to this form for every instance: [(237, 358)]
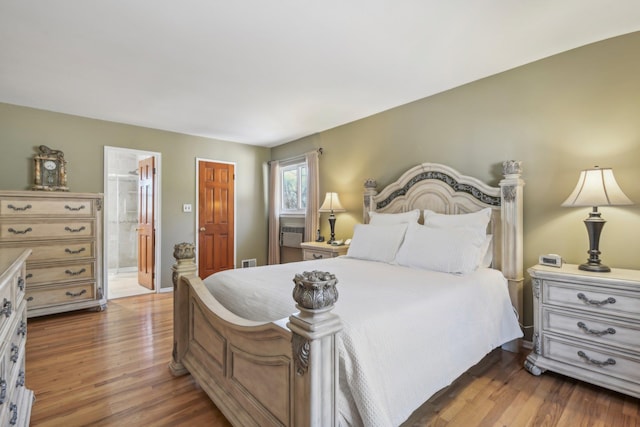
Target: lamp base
[(598, 268), (332, 225), (594, 226)]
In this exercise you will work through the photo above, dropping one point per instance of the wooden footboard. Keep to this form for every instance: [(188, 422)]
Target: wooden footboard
[(263, 374)]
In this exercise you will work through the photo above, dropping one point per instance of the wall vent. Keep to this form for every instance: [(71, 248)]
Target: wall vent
[(246, 263)]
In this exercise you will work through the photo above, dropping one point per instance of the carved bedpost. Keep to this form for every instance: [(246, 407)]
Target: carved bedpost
[(512, 239), (368, 206), (315, 352), (184, 253)]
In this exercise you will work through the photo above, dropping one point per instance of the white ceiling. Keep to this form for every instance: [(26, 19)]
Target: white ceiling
[(265, 72)]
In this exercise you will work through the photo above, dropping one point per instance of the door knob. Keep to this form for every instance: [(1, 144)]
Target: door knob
[(202, 228)]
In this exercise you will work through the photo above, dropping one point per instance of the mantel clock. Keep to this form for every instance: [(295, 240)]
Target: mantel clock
[(50, 171)]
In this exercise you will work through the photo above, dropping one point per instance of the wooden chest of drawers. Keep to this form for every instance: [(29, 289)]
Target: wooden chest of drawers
[(587, 326), (64, 232), (319, 250), (15, 398)]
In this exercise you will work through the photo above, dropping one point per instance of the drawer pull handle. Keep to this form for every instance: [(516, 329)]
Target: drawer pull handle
[(20, 380), (317, 256), (77, 294), (15, 208), (588, 301), (6, 308), (609, 361), (22, 329), (72, 252), (79, 208), (13, 408), (3, 390), (75, 273), (15, 353), (14, 231), (29, 299), (21, 283), (594, 332), (75, 230), (29, 276)]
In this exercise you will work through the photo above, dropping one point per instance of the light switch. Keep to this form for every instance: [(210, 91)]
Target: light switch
[(186, 207)]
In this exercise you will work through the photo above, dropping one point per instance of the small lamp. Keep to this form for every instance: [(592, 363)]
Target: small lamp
[(596, 187), (332, 204)]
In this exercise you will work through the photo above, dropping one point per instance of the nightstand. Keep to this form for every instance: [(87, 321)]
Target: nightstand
[(587, 326), (319, 250)]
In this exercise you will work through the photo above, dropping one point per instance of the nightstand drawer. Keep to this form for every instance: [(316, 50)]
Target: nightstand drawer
[(320, 250), (311, 255), (600, 331), (596, 359), (592, 299)]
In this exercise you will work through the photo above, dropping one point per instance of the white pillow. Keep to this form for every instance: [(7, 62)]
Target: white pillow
[(478, 219), (376, 242), (376, 218), (486, 252), (449, 250)]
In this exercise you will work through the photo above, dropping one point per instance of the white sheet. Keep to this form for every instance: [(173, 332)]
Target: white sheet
[(407, 333)]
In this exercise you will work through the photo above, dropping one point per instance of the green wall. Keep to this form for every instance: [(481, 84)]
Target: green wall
[(82, 140), (559, 115)]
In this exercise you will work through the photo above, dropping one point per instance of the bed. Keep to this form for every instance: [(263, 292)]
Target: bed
[(364, 340)]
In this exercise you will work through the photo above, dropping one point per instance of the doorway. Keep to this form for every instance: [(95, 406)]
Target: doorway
[(122, 209)]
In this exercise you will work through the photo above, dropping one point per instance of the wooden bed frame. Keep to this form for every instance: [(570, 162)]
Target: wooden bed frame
[(285, 373)]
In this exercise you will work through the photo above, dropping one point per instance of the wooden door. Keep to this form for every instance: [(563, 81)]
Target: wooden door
[(215, 217), (146, 224)]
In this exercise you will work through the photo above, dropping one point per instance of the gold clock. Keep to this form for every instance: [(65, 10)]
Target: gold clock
[(50, 172)]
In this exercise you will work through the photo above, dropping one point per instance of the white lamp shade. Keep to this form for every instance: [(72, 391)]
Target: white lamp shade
[(331, 204), (597, 187)]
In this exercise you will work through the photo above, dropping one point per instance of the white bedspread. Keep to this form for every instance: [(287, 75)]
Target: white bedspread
[(407, 333)]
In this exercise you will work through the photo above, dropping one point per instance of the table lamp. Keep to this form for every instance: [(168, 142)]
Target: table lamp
[(596, 187), (331, 204)]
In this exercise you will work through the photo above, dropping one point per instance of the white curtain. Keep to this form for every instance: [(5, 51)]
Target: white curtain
[(274, 213), (311, 224)]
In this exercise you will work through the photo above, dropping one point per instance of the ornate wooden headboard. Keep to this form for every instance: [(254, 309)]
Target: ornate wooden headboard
[(442, 189)]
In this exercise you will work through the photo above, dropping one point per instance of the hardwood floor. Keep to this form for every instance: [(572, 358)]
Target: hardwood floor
[(110, 368)]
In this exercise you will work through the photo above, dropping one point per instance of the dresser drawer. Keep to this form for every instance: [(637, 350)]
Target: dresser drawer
[(64, 250), (24, 207), (17, 344), (593, 329), (52, 229), (592, 358), (13, 360), (592, 299), (64, 294), (62, 272), (8, 306)]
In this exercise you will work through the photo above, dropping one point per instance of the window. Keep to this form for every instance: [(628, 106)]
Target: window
[(294, 189)]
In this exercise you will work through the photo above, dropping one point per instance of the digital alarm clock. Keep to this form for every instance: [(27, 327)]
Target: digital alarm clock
[(552, 260)]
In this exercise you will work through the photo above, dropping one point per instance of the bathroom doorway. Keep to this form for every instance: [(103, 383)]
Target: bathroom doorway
[(123, 201)]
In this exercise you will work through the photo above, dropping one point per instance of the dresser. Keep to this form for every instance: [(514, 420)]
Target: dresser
[(587, 326), (15, 398), (319, 250), (64, 232)]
